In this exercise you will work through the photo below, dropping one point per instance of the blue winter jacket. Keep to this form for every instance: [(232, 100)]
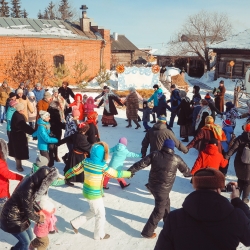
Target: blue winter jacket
[(228, 130), (155, 97), (43, 136), (120, 153), (175, 98), (38, 94), (9, 115)]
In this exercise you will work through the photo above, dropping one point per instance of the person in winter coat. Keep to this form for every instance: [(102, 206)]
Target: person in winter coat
[(228, 130), (18, 143), (56, 127), (120, 153), (78, 103), (44, 103), (164, 164), (81, 150), (66, 92), (109, 111), (92, 133), (62, 103), (42, 230), (154, 97), (175, 101), (196, 94), (207, 220), (209, 157), (146, 111), (206, 133), (12, 96), (204, 112), (219, 97), (4, 94), (132, 106), (162, 105), (5, 174), (27, 105), (9, 115), (184, 117), (242, 169), (95, 169), (196, 110), (232, 114), (19, 208), (43, 136), (156, 136), (211, 105), (23, 88), (102, 93), (89, 106), (38, 92), (32, 115)]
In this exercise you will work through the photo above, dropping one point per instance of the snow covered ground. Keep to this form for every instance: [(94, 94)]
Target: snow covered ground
[(126, 210)]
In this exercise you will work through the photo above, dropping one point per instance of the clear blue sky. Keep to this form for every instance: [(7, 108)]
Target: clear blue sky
[(150, 22)]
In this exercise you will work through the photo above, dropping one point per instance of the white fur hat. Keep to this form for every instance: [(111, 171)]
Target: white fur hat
[(19, 91), (46, 204), (20, 106), (43, 114)]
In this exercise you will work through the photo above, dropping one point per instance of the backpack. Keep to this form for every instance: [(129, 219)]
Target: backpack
[(245, 157)]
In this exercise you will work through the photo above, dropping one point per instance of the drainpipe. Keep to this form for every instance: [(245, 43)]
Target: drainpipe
[(102, 53)]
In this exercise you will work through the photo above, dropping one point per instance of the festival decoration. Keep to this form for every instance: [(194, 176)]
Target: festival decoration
[(155, 69), (120, 68)]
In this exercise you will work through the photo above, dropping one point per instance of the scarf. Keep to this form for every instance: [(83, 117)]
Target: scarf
[(199, 116), (92, 117), (106, 100), (217, 131)]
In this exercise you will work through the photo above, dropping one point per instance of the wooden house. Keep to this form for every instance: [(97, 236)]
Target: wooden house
[(235, 49)]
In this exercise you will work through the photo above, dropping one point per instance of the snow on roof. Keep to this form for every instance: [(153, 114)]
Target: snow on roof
[(238, 41)]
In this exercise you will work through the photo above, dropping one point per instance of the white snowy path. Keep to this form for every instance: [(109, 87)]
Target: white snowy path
[(126, 210)]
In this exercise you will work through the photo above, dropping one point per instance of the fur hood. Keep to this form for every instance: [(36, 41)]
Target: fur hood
[(4, 149), (43, 178)]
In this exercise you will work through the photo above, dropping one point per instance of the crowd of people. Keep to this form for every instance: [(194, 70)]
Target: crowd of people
[(206, 215)]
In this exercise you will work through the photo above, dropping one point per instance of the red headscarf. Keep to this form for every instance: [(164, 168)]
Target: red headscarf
[(91, 118)]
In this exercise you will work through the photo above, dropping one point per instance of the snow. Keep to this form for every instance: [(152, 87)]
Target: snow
[(238, 41), (126, 210)]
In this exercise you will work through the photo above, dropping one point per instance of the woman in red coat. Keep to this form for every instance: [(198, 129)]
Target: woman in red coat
[(5, 174), (79, 104), (209, 157)]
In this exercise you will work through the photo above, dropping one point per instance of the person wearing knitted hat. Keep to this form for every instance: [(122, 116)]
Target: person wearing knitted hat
[(228, 130), (43, 136), (9, 115), (81, 150), (63, 104), (119, 155), (93, 133), (38, 92), (206, 133), (95, 169), (154, 98), (164, 164), (207, 220), (12, 96), (241, 147), (155, 137), (18, 143), (4, 94)]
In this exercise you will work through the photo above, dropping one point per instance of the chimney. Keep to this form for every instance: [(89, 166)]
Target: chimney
[(115, 36), (84, 21)]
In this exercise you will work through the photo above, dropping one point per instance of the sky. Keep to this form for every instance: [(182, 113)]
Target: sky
[(148, 23)]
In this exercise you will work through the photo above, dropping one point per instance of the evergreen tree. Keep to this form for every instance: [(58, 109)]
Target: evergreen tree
[(16, 9), (4, 9), (51, 12), (25, 14), (40, 15), (65, 10), (46, 14)]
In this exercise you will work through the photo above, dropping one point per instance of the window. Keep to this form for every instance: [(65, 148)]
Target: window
[(59, 59), (228, 68)]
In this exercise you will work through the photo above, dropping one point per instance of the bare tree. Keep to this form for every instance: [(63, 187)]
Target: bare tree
[(198, 32), (4, 9)]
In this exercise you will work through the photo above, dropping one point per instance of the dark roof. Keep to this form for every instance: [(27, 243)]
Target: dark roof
[(122, 43), (44, 28)]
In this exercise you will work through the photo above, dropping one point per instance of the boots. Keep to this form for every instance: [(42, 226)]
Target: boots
[(139, 118), (185, 139), (154, 121), (122, 185), (137, 124), (19, 167), (129, 123)]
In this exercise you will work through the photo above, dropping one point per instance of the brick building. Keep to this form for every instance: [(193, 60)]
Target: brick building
[(58, 41)]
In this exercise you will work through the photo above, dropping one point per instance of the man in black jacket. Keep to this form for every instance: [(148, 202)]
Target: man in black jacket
[(207, 220), (164, 164), (65, 92), (157, 134)]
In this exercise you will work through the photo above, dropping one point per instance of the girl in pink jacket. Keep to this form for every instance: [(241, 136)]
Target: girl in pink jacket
[(41, 230), (89, 105)]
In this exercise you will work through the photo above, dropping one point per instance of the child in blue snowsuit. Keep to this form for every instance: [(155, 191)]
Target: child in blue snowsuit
[(146, 111), (120, 153)]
